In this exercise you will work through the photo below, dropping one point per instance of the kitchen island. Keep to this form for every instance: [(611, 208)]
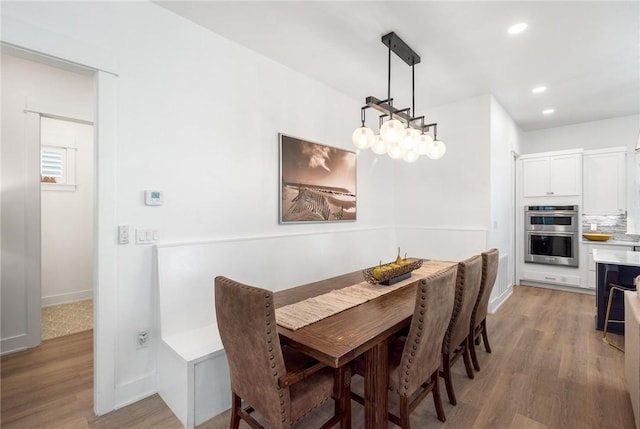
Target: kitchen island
[(619, 267)]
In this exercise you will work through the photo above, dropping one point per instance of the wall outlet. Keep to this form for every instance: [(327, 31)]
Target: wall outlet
[(594, 227), (142, 338)]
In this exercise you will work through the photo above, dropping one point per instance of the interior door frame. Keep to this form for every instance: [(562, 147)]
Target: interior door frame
[(60, 51)]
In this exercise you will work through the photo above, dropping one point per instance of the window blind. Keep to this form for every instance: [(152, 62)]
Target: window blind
[(51, 163)]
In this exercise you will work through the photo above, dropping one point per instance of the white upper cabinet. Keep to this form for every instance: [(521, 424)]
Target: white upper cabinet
[(604, 176), (552, 175)]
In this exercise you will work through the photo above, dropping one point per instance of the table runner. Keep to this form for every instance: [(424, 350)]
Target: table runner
[(300, 314)]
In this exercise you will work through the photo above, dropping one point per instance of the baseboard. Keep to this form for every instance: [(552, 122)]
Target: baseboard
[(581, 290), (13, 344), (496, 303), (134, 391), (67, 298)]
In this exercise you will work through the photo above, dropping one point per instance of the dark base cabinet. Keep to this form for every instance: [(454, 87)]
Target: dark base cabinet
[(621, 275)]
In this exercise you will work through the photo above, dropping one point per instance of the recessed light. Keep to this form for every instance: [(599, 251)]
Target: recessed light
[(539, 89), (548, 111), (517, 28)]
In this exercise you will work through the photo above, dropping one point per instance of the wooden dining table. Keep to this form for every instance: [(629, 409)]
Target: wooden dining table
[(365, 329)]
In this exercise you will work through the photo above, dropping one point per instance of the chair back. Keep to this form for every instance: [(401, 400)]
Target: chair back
[(467, 288), (247, 325), (489, 273), (422, 353)]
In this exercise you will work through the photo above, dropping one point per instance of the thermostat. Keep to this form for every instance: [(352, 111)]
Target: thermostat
[(153, 198)]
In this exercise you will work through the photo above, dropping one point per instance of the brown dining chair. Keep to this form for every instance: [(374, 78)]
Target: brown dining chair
[(456, 339), (414, 360), (478, 326), (281, 384)]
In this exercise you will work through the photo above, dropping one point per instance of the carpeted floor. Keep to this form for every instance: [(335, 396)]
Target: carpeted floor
[(65, 319)]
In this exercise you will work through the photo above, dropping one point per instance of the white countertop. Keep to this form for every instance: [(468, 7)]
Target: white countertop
[(616, 257), (611, 243)]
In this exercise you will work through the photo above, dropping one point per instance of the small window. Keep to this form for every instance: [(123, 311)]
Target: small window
[(58, 141), (57, 168), (52, 163)]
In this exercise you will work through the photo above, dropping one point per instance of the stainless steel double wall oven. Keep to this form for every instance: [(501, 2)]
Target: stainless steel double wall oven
[(551, 235)]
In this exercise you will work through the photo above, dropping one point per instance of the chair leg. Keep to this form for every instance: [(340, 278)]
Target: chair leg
[(404, 412), (472, 349), (236, 404), (446, 368), (467, 359), (437, 401), (485, 339), (606, 320)]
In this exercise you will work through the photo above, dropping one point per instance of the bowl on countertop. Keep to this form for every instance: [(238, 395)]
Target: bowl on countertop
[(597, 237)]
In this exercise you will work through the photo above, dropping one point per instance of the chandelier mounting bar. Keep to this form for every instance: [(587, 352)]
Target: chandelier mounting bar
[(401, 49)]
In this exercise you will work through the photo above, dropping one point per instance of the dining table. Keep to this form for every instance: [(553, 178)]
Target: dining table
[(365, 329)]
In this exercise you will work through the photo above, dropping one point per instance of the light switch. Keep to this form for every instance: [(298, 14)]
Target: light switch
[(147, 236)]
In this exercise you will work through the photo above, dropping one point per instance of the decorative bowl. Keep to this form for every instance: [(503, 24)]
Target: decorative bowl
[(597, 237), (391, 272)]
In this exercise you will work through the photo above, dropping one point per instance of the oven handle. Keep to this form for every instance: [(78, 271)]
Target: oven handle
[(554, 214), (555, 234), (561, 213)]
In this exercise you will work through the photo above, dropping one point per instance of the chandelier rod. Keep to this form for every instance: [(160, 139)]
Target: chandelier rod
[(413, 89), (389, 83)]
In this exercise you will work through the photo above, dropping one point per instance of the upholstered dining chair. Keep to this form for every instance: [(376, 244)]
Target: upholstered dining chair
[(414, 360), (478, 326), (280, 383), (455, 342)]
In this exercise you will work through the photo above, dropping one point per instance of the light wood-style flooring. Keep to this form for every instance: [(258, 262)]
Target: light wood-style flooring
[(549, 369)]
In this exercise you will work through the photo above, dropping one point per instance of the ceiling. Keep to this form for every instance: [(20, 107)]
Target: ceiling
[(586, 53)]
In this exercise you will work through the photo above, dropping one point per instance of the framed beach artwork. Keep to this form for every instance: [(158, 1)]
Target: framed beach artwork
[(317, 182)]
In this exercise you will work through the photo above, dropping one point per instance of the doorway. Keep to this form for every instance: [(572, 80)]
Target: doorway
[(67, 225), (18, 244), (44, 105)]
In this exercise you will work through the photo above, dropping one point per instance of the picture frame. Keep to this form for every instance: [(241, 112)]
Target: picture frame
[(317, 182)]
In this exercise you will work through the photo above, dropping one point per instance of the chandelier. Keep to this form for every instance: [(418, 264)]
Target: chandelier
[(401, 136)]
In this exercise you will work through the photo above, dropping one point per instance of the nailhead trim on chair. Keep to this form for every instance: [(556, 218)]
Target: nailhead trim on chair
[(456, 309), (267, 305), (420, 327)]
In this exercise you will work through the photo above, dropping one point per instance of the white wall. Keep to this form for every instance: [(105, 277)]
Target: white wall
[(198, 117), (27, 84), (67, 215), (622, 131), (505, 141), (443, 206)]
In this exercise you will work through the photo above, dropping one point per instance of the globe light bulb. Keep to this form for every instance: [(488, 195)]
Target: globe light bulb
[(410, 156), (438, 150), (411, 139), (395, 151), (378, 146), (362, 137), (392, 131), (425, 145)]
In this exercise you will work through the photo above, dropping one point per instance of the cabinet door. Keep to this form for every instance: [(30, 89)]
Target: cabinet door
[(535, 175), (604, 183), (564, 175)]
